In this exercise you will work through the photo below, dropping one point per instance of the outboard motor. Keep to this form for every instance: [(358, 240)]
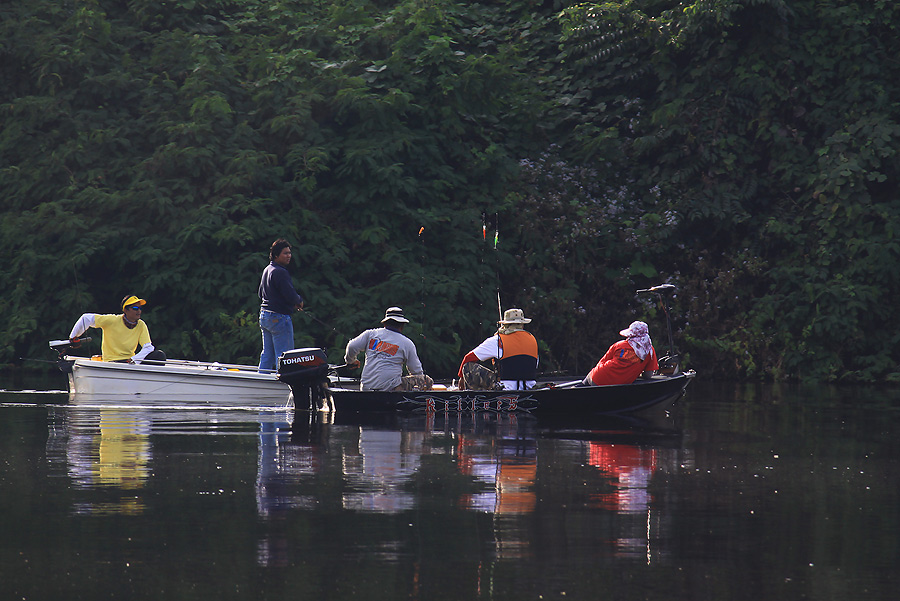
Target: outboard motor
[(305, 370), (62, 348)]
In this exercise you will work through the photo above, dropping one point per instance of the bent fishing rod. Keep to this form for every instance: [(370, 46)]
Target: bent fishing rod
[(659, 291)]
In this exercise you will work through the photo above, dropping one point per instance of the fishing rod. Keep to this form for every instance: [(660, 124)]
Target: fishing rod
[(497, 262), (482, 265), (497, 281), (316, 319), (62, 347), (39, 360), (671, 360), (422, 299), (496, 242)]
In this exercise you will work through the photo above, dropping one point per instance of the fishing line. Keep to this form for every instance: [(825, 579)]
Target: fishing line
[(497, 261), (78, 298), (422, 299), (316, 319), (481, 262), (497, 281)]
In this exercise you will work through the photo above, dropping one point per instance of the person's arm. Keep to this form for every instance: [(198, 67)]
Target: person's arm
[(286, 289), (353, 348), (469, 358), (589, 378), (145, 350), (488, 349), (84, 322), (413, 363), (607, 356), (652, 365), (145, 342)]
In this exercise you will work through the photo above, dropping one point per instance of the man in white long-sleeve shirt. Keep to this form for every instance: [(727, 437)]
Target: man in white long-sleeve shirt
[(387, 351), (121, 333)]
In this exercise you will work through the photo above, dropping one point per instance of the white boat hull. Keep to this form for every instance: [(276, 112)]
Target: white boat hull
[(176, 383)]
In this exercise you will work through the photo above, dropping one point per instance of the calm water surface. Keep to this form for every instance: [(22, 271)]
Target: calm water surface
[(743, 492)]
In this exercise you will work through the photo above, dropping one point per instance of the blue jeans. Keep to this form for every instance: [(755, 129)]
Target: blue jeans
[(277, 337)]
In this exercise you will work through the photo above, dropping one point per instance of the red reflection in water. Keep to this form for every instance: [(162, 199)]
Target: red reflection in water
[(630, 467)]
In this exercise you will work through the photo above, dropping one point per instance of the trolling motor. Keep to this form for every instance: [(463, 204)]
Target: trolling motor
[(305, 370), (671, 363), (62, 348)]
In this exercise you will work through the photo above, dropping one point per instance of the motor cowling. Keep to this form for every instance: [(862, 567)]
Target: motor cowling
[(305, 370), (62, 348)]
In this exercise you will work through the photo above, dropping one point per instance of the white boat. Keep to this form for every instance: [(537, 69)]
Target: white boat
[(174, 383)]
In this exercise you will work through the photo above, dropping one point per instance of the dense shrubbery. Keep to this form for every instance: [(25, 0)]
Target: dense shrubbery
[(768, 127), (743, 150)]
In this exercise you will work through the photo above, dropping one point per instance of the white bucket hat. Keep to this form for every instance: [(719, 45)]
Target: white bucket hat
[(394, 314)]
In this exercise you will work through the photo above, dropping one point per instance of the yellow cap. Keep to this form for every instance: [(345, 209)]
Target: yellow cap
[(132, 300)]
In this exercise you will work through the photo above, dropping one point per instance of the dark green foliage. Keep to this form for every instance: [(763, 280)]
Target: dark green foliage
[(161, 154), (772, 130), (743, 150)]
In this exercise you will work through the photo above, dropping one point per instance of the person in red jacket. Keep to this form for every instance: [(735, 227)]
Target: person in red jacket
[(627, 359)]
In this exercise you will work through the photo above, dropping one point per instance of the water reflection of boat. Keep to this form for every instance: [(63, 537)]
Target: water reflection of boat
[(629, 454), (110, 450), (658, 429), (509, 473), (505, 466)]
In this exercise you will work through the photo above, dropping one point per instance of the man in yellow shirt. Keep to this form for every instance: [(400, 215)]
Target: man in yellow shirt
[(121, 333)]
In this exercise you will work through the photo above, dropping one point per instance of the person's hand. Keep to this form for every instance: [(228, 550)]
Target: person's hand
[(75, 342), (353, 364), (299, 307)]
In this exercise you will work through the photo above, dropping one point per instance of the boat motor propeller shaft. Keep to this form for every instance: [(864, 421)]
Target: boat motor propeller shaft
[(305, 370)]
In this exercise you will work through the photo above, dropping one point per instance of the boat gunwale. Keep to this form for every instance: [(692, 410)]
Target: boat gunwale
[(178, 367), (656, 379)]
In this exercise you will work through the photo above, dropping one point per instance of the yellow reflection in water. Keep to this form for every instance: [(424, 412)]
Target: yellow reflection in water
[(109, 449), (124, 452)]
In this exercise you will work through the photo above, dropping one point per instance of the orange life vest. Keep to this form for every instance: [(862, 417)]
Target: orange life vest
[(519, 357)]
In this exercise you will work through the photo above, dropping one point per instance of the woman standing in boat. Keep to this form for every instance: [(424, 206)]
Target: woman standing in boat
[(626, 359), (278, 302)]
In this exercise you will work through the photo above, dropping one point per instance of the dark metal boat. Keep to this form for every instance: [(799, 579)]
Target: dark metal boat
[(315, 385)]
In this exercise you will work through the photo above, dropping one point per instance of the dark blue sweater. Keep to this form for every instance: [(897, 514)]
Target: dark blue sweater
[(276, 290)]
